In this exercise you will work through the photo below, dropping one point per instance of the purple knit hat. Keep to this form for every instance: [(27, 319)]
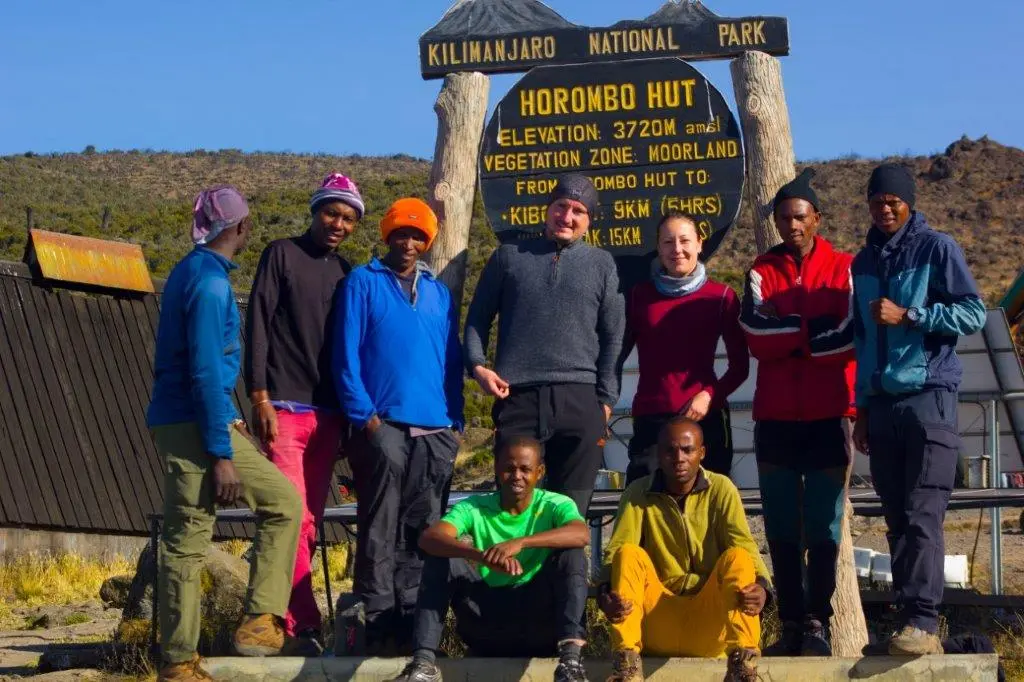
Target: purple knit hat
[(337, 187), (217, 209)]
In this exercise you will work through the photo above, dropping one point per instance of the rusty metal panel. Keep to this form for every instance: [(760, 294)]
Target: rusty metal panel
[(84, 260)]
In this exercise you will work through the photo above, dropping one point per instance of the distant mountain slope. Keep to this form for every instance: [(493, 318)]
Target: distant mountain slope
[(974, 191)]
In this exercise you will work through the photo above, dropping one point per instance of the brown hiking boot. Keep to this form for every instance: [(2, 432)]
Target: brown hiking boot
[(742, 666), (186, 671), (626, 667), (260, 635), (912, 641)]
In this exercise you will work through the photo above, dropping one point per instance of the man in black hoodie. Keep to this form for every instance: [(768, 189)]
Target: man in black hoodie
[(295, 409)]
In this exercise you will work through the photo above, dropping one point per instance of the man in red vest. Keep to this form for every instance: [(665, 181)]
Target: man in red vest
[(798, 317)]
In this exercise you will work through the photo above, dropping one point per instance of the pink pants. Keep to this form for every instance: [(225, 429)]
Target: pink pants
[(305, 451)]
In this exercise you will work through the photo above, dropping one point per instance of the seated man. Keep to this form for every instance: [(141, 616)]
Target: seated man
[(686, 578), (520, 588)]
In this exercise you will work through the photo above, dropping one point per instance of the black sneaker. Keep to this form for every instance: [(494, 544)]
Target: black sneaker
[(816, 639), (419, 671), (790, 643), (570, 670), (350, 626), (306, 644)]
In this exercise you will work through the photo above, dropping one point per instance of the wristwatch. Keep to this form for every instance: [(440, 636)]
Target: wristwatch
[(914, 314)]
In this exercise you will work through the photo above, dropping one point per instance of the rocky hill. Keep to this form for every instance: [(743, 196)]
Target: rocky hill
[(974, 191)]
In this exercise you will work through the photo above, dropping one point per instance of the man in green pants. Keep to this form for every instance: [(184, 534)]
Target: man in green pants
[(209, 457)]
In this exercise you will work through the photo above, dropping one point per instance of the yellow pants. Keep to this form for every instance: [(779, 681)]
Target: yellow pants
[(708, 624)]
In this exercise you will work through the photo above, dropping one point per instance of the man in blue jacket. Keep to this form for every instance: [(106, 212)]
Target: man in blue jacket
[(397, 364), (914, 296), (208, 455)]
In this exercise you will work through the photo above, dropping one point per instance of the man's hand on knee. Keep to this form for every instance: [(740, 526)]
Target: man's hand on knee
[(613, 605), (752, 599)]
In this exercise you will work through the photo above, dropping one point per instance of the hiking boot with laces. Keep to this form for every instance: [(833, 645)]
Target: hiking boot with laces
[(419, 671), (790, 642), (260, 635), (570, 670), (626, 667), (186, 671), (913, 641), (742, 666), (816, 640)]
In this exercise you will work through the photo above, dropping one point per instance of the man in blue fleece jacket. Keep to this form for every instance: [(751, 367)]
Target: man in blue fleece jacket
[(914, 296), (398, 367), (208, 455)]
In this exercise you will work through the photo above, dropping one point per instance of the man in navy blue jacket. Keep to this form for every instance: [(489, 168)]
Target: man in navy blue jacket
[(914, 296), (398, 368)]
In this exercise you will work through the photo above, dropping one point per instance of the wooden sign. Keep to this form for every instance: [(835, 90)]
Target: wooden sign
[(503, 36), (653, 136)]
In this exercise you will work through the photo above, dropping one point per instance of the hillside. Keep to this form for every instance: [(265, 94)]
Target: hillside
[(974, 191)]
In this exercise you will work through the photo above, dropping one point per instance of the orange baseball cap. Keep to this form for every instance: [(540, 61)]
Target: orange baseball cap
[(409, 212)]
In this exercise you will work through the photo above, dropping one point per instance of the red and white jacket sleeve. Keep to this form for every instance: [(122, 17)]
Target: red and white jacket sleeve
[(769, 337)]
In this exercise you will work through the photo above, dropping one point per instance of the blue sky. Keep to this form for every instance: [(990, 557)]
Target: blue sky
[(872, 77)]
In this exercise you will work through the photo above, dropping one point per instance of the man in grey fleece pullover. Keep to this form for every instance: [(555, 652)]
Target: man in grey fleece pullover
[(561, 319)]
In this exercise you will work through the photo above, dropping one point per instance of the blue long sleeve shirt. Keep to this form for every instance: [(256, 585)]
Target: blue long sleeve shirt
[(198, 352), (393, 358)]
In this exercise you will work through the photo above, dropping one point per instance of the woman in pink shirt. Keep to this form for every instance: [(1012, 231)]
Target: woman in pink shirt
[(675, 320)]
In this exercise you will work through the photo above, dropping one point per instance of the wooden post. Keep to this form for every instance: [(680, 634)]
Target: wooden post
[(768, 141), (460, 109), (757, 82), (849, 628), (29, 219)]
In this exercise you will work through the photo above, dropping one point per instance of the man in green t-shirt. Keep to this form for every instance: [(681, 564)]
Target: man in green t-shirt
[(518, 586)]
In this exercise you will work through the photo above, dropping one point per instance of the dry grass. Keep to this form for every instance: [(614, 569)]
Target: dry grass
[(33, 580), (337, 566)]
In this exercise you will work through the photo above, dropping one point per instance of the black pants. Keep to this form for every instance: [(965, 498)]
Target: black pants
[(569, 420), (643, 446), (401, 487), (913, 442), (802, 474), (522, 621)]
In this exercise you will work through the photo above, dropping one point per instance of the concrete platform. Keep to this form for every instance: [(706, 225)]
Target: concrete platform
[(973, 668)]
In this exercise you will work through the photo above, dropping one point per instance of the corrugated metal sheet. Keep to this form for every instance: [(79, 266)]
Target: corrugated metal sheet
[(76, 372), (84, 260)]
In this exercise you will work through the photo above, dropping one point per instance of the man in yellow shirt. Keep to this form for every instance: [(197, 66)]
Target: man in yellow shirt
[(682, 574)]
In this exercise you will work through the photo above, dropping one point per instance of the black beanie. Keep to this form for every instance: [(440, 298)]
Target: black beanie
[(578, 188), (892, 178), (798, 188)]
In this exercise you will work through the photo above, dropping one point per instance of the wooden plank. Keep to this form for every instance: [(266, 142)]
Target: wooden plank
[(142, 343), (108, 415), (62, 356), (114, 356), (68, 449), (90, 405), (46, 504), (953, 597), (138, 394), (14, 499)]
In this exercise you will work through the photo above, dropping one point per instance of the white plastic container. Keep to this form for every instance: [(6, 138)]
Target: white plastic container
[(862, 561), (955, 571), (881, 568)]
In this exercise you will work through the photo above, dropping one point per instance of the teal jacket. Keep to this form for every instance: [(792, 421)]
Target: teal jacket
[(915, 268)]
